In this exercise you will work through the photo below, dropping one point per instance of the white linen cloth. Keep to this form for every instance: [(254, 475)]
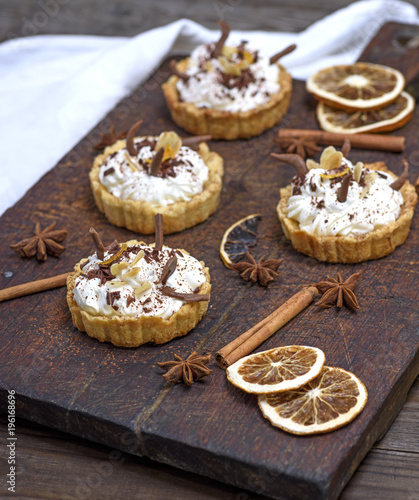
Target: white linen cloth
[(54, 89)]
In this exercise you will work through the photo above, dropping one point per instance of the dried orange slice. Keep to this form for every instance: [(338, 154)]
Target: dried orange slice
[(279, 369), (328, 402), (356, 86), (238, 238), (391, 117)]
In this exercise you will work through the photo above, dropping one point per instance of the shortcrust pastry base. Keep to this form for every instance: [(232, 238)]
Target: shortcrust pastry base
[(227, 124), (139, 216), (126, 331), (351, 249)]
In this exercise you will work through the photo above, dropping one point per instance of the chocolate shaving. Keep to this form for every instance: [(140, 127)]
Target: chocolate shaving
[(346, 147), (187, 297), (109, 138), (158, 221), (295, 160), (156, 163), (276, 57), (100, 249), (109, 171), (343, 190), (113, 247), (130, 138), (244, 80), (190, 141), (225, 31), (179, 74), (398, 183), (111, 297), (168, 270), (103, 273)]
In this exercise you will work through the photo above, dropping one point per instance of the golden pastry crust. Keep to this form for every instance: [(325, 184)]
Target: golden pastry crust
[(139, 216), (127, 331), (351, 249), (227, 124)]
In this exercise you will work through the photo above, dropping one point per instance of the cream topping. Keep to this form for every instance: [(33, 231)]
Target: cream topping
[(205, 87), (370, 204), (127, 177), (126, 294)]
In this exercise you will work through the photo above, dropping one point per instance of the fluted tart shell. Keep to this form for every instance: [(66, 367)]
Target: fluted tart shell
[(227, 124), (127, 331), (351, 249), (139, 216)]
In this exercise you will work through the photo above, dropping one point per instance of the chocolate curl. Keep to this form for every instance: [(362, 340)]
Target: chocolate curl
[(130, 138), (158, 222), (295, 160), (100, 249), (225, 31), (175, 71), (194, 139), (346, 147), (113, 247), (276, 57), (343, 190), (398, 183), (187, 297), (156, 163), (168, 270)]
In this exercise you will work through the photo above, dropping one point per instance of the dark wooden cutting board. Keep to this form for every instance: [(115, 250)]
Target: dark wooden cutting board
[(117, 396)]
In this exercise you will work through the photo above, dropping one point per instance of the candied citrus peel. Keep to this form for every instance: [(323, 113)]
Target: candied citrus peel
[(171, 143), (115, 255), (335, 174)]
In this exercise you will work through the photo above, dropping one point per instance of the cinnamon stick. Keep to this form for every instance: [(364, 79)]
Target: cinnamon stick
[(253, 338), (379, 142), (42, 285)]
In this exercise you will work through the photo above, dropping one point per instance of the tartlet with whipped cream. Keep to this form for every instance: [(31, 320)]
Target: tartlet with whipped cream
[(335, 211), (132, 293), (136, 178), (229, 92)]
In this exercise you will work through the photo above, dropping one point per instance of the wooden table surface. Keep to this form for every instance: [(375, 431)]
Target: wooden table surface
[(55, 465)]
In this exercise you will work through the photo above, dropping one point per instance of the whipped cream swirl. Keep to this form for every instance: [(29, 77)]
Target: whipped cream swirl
[(370, 204), (208, 86), (128, 178), (123, 296)]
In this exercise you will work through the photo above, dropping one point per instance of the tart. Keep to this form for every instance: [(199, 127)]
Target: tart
[(229, 92), (136, 293), (339, 212), (136, 178)]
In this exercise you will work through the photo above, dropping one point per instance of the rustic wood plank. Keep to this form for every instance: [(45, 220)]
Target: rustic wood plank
[(53, 465), (81, 400)]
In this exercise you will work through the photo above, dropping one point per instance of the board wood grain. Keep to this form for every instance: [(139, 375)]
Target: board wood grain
[(117, 396)]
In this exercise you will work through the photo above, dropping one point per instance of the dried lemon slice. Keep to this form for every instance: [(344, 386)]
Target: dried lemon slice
[(279, 369), (328, 402), (356, 86), (391, 117), (238, 238)]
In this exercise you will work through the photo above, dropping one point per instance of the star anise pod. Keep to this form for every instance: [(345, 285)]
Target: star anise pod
[(303, 146), (186, 371), (109, 138), (338, 292), (262, 272), (42, 243)]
